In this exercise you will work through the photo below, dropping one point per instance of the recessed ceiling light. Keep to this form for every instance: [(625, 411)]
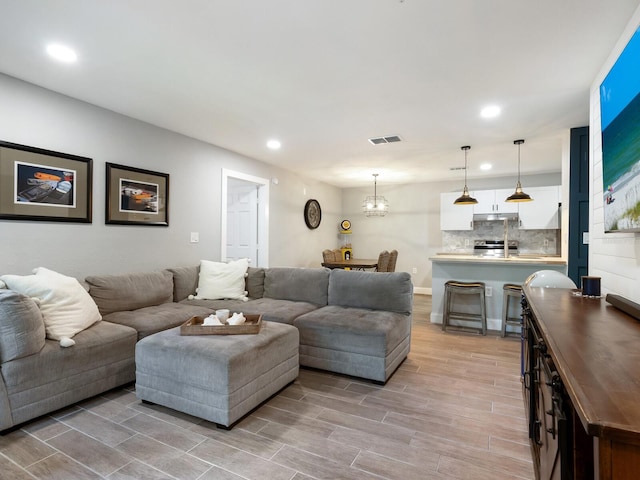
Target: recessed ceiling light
[(62, 53), (274, 144), (486, 166), (490, 111)]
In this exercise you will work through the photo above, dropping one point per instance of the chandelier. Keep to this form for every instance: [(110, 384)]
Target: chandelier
[(376, 205)]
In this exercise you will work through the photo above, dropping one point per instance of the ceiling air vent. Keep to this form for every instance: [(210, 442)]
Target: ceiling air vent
[(456, 168), (389, 139)]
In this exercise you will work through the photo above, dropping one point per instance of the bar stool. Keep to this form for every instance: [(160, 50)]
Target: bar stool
[(511, 292), (452, 288)]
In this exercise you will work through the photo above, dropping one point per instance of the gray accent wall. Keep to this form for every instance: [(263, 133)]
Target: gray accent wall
[(37, 117)]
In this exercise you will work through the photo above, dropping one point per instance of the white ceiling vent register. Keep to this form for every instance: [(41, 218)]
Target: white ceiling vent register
[(381, 140)]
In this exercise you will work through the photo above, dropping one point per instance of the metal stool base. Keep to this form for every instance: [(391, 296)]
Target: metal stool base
[(510, 292), (452, 288)]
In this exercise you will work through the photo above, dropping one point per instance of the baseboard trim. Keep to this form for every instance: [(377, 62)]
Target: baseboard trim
[(422, 291)]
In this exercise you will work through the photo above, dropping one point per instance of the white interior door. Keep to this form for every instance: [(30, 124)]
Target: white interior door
[(244, 228), (242, 220)]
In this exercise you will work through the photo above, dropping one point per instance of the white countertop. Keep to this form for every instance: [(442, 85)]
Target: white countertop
[(514, 260)]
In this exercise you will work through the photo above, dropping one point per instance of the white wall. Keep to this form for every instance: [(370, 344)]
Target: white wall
[(412, 225), (613, 256), (37, 117)]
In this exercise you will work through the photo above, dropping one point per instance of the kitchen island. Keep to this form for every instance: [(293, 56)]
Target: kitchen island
[(493, 271)]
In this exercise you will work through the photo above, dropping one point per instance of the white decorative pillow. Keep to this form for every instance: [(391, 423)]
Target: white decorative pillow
[(67, 308), (218, 281)]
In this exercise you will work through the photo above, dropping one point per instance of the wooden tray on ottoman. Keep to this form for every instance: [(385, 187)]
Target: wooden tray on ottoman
[(194, 326)]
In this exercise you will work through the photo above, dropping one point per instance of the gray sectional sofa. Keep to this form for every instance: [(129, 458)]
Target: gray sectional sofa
[(349, 322)]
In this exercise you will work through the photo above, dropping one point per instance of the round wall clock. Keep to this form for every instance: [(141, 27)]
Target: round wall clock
[(312, 214)]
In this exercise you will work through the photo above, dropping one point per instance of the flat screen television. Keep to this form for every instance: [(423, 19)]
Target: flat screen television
[(620, 126)]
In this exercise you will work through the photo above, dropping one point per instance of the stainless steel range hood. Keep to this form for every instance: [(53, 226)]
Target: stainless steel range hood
[(494, 217)]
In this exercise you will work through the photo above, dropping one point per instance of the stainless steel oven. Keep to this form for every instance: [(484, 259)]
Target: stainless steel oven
[(494, 248)]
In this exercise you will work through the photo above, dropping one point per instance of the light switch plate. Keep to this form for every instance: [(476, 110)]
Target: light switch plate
[(195, 237)]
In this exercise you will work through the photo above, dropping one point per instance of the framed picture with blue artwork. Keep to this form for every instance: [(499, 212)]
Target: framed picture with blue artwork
[(39, 184)]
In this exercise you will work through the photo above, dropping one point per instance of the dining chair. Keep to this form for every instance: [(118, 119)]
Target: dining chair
[(327, 256), (393, 257), (383, 261)]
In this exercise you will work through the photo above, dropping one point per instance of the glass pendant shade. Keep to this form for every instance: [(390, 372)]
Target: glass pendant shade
[(465, 198), (518, 195), (375, 205)]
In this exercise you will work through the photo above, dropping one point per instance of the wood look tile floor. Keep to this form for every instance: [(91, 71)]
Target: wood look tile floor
[(453, 410)]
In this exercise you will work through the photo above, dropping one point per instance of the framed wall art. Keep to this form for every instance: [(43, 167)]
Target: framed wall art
[(38, 184), (136, 196)]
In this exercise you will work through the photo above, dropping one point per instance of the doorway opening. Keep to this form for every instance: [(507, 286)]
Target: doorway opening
[(244, 229)]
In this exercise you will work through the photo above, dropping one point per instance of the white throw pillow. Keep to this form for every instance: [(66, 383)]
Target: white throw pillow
[(222, 280), (67, 308)]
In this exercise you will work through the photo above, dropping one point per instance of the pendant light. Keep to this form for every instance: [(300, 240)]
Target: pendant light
[(465, 198), (376, 205), (518, 195)]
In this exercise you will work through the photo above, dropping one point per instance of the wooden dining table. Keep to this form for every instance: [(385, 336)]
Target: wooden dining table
[(353, 263)]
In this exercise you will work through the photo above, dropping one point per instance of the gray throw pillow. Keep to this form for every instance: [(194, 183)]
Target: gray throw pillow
[(185, 281), (255, 282), (21, 326)]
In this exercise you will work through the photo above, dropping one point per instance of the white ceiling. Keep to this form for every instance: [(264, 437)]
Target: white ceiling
[(323, 76)]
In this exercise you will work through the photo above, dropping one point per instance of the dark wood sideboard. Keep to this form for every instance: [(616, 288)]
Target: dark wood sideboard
[(581, 386)]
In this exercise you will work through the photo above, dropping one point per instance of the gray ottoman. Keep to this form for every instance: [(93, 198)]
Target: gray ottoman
[(216, 377)]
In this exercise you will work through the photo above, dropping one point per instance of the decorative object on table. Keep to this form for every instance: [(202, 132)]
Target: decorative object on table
[(376, 205), (590, 286), (312, 214), (237, 319), (465, 198), (211, 320), (518, 195), (38, 184), (195, 326), (136, 197), (346, 250)]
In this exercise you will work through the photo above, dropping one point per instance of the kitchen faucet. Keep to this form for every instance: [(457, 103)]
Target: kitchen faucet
[(506, 238)]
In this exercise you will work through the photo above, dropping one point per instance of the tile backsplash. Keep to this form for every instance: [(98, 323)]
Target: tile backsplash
[(546, 242)]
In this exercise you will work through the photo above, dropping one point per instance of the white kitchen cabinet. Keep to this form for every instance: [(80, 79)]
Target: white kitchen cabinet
[(543, 212), (454, 217), (493, 201)]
